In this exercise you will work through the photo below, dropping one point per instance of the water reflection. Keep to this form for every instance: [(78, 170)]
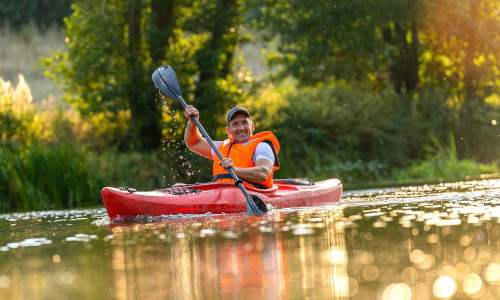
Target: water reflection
[(281, 256), (427, 242)]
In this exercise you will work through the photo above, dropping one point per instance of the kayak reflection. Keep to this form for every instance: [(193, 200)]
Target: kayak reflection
[(279, 256)]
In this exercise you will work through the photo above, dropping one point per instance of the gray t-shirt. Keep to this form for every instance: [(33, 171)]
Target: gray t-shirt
[(263, 150)]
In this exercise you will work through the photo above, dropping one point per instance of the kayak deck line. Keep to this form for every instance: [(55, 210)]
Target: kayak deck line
[(217, 198)]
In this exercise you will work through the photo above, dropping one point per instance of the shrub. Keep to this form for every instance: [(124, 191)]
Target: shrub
[(41, 177), (322, 126), (442, 162)]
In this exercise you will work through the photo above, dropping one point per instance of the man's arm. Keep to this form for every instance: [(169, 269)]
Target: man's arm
[(258, 173), (192, 136)]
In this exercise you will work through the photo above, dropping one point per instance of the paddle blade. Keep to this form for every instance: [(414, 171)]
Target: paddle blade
[(257, 206), (166, 81)]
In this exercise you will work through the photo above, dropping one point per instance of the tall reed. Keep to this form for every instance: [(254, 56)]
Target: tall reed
[(45, 177)]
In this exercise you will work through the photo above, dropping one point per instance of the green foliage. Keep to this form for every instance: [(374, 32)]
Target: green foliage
[(92, 72), (322, 126), (443, 162), (368, 89), (351, 40), (462, 49), (39, 177), (107, 67), (114, 46), (358, 171), (477, 131), (339, 130), (17, 117), (443, 43), (141, 170), (22, 121), (424, 113), (44, 13)]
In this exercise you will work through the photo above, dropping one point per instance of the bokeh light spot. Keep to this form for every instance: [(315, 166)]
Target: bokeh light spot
[(444, 287), (472, 283), (492, 273), (399, 291)]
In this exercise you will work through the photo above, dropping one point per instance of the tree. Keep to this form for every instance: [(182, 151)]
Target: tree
[(106, 64), (114, 46), (462, 40), (444, 42), (350, 40)]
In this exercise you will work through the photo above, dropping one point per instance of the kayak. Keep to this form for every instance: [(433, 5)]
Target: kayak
[(218, 197)]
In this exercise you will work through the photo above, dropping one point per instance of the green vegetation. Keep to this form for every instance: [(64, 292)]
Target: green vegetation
[(44, 13), (113, 48), (444, 163), (51, 158), (39, 177), (369, 92)]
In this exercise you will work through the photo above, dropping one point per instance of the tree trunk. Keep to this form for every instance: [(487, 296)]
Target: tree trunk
[(145, 128), (404, 65), (161, 29), (215, 60)]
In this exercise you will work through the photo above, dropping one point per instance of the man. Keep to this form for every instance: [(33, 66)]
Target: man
[(253, 158)]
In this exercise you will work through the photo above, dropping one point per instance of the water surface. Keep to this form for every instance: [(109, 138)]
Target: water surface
[(423, 242)]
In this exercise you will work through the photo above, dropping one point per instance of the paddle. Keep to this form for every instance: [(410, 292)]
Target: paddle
[(166, 81)]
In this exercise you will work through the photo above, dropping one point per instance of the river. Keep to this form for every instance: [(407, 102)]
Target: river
[(417, 242)]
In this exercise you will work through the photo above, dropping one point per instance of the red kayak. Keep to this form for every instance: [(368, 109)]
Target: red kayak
[(218, 197)]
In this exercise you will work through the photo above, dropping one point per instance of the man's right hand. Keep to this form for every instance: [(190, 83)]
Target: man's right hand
[(191, 111), (192, 137)]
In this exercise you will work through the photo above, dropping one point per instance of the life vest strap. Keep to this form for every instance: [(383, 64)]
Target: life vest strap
[(227, 176)]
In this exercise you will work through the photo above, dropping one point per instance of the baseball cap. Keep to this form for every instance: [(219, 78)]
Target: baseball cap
[(234, 110)]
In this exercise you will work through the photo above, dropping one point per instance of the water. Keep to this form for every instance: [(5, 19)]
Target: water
[(424, 242)]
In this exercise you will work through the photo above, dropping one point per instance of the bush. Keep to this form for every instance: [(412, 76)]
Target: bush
[(40, 177), (443, 162), (477, 129), (141, 170), (321, 127)]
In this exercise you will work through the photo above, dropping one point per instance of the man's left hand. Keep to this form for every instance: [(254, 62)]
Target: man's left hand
[(227, 163)]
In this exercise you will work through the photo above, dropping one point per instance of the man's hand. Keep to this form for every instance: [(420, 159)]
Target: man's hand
[(191, 111), (227, 163), (192, 137), (260, 172)]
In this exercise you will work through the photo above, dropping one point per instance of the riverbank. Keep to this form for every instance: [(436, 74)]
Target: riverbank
[(53, 157)]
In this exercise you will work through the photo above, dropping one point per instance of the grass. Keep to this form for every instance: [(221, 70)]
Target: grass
[(441, 165), (20, 52), (41, 177), (444, 163), (37, 176)]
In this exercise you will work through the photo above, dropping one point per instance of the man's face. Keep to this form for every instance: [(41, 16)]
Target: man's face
[(240, 127)]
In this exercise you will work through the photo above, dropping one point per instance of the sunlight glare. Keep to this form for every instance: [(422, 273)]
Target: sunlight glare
[(472, 283), (444, 287), (397, 292), (493, 273)]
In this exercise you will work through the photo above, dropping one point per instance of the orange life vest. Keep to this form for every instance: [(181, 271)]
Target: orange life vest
[(242, 154)]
